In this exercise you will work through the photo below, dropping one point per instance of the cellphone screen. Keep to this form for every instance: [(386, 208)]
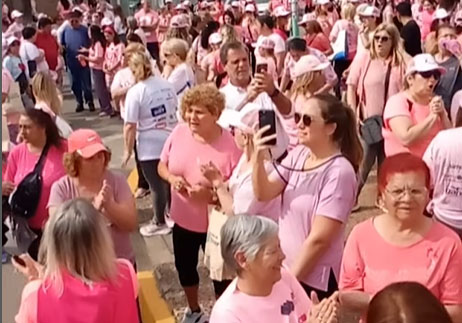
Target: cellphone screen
[(263, 67), (265, 118)]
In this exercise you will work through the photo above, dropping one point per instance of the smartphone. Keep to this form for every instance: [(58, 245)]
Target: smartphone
[(19, 261), (262, 67), (265, 118)]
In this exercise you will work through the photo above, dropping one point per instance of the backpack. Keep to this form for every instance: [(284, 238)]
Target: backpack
[(25, 199)]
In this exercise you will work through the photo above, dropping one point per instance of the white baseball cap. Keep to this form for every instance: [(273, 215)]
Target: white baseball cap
[(370, 11), (10, 40), (250, 8), (281, 12), (180, 7), (106, 22), (215, 38), (309, 63), (186, 3), (16, 14), (311, 16), (322, 2), (235, 4), (440, 13), (423, 63), (265, 42)]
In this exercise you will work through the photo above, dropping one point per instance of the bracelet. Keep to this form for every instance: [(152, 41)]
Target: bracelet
[(275, 93)]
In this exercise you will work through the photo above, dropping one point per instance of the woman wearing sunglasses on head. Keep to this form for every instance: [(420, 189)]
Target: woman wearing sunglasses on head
[(317, 183), (414, 116), (402, 244)]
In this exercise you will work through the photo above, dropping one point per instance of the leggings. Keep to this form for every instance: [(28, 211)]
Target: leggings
[(186, 245), (142, 182), (101, 90)]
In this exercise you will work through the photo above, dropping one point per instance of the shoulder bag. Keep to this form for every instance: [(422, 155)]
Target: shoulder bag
[(25, 199)]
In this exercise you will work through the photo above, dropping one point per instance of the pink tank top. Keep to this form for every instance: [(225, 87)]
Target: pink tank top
[(102, 302)]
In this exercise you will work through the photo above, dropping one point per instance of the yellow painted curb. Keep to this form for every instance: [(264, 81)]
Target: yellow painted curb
[(154, 309), (133, 180)]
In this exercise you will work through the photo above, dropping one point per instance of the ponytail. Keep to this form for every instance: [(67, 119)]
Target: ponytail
[(140, 66), (345, 134)]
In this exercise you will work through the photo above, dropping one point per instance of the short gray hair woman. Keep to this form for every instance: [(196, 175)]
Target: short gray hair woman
[(77, 258), (250, 245)]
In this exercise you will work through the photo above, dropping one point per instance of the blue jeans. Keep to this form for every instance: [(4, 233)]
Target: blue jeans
[(81, 84)]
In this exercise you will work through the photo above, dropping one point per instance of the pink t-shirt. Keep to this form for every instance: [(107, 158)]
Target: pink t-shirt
[(370, 263), (325, 24), (148, 19), (100, 302), (444, 158), (318, 41), (114, 55), (352, 35), (21, 162), (368, 76), (328, 190), (96, 52), (65, 189), (181, 146), (398, 106), (287, 303), (244, 200)]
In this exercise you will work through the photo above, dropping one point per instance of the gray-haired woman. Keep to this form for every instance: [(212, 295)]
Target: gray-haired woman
[(263, 291)]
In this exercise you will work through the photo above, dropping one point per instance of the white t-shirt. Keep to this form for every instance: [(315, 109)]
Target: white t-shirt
[(456, 105), (182, 78), (279, 44), (28, 52), (152, 105), (119, 26)]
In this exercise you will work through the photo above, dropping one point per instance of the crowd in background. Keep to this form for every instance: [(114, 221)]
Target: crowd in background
[(230, 114)]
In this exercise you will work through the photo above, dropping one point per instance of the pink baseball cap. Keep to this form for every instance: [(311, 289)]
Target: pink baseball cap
[(250, 8), (423, 63), (85, 142), (309, 63), (178, 21), (307, 17), (266, 42), (280, 11)]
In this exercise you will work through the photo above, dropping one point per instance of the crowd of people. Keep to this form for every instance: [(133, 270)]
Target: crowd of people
[(228, 114)]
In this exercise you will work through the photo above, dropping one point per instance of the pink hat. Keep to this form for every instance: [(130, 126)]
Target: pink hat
[(266, 42), (85, 142), (280, 11), (250, 8), (309, 63), (180, 7), (423, 63), (307, 17), (178, 21)]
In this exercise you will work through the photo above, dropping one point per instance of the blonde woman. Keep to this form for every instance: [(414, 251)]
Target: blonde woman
[(49, 99), (150, 116), (77, 272), (177, 71), (373, 79), (229, 34)]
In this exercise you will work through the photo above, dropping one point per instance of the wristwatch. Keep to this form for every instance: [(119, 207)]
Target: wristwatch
[(275, 93)]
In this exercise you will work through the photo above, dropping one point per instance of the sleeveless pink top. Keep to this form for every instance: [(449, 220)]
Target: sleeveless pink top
[(101, 302)]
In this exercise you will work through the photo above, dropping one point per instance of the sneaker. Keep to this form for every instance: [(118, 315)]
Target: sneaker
[(195, 317), (79, 108), (141, 192), (152, 229), (103, 114), (91, 107)]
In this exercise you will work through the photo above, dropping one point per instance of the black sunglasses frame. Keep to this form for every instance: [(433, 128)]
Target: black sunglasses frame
[(427, 74), (307, 120)]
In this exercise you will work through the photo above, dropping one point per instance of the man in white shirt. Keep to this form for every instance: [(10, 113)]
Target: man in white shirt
[(33, 59), (266, 30)]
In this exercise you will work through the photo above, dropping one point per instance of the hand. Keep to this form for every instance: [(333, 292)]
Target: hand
[(265, 82), (325, 311), (179, 184), (81, 57), (107, 193), (32, 270), (213, 175), (126, 158), (437, 106), (260, 140), (7, 188), (83, 50), (252, 91), (200, 193), (98, 202)]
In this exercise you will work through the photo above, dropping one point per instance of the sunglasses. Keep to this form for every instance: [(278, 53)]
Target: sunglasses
[(382, 39), (426, 75), (306, 119)]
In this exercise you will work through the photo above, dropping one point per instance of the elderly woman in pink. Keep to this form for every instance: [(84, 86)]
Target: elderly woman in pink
[(264, 291), (73, 282), (317, 184), (402, 244), (414, 116)]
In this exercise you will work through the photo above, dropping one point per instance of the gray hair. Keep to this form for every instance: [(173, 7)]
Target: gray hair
[(246, 234), (76, 238)]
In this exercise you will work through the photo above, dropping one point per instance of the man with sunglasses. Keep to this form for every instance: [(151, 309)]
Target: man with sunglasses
[(73, 39)]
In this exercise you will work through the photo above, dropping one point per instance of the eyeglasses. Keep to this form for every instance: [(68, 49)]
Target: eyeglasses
[(382, 39), (307, 119), (398, 193), (435, 73)]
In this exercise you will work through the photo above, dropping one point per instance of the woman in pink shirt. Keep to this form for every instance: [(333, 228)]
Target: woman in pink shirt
[(113, 55), (317, 184), (414, 116), (383, 65), (347, 24), (314, 36), (200, 140), (95, 58), (402, 244), (264, 290), (71, 282), (37, 131), (148, 20)]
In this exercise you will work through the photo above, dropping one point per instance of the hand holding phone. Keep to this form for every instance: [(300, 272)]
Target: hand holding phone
[(268, 118), (262, 68)]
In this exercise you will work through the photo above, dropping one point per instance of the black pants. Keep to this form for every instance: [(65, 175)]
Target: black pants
[(186, 245), (160, 190), (153, 49), (35, 245), (332, 287), (340, 66), (142, 182)]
